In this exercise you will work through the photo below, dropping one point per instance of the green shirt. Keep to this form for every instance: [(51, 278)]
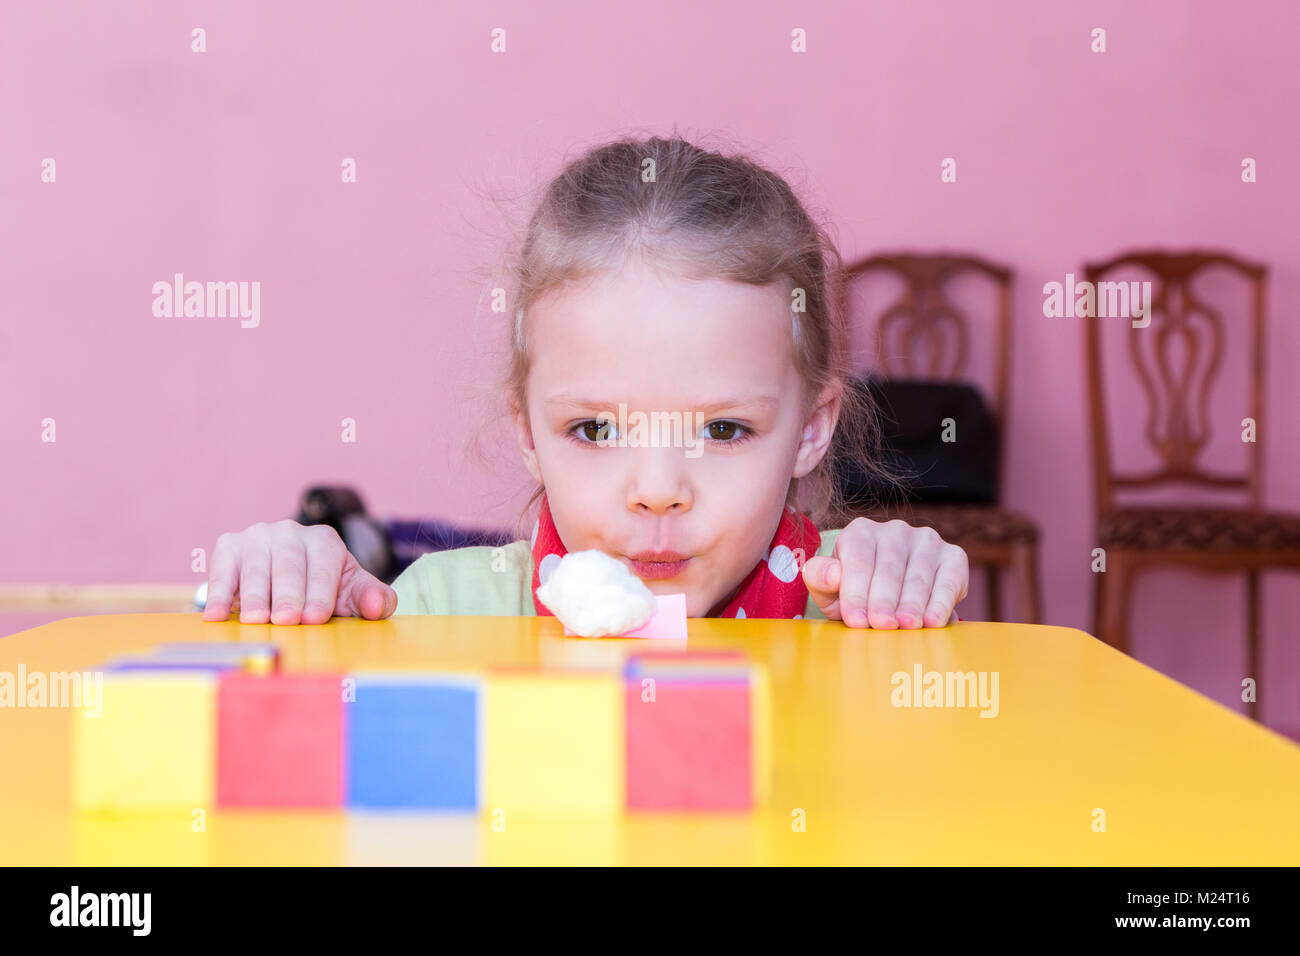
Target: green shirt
[(494, 582)]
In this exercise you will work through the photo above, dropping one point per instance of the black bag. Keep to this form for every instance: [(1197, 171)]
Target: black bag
[(915, 418), (340, 507)]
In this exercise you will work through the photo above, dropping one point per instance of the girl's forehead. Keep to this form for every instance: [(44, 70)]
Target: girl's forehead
[(651, 334)]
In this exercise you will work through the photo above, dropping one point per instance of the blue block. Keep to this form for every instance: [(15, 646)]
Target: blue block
[(161, 664), (413, 741), (219, 650)]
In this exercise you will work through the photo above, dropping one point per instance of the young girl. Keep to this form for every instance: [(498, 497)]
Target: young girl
[(657, 283)]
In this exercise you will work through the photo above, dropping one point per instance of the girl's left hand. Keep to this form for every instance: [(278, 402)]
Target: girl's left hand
[(889, 575)]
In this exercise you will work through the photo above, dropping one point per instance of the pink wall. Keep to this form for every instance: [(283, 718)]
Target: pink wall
[(225, 165)]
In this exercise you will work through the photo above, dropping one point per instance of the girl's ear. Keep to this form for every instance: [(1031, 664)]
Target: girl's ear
[(817, 432), (524, 436)]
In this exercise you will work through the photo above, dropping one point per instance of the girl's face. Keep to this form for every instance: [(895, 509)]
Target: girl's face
[(714, 351)]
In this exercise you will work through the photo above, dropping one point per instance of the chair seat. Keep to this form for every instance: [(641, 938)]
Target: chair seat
[(1199, 529), (967, 525)]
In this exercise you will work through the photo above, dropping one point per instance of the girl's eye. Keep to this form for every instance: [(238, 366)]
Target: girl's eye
[(728, 433), (594, 431)]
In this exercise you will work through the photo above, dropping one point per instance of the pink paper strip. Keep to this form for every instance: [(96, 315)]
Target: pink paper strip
[(668, 622)]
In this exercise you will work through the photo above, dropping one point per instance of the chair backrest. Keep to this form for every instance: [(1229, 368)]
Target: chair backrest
[(1176, 426), (924, 314)]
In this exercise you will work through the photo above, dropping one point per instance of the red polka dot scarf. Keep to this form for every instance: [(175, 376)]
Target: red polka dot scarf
[(774, 589)]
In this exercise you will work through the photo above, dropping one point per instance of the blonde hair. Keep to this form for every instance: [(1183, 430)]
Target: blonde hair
[(702, 214)]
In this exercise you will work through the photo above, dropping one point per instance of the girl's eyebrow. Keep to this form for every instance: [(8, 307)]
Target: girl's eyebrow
[(753, 402)]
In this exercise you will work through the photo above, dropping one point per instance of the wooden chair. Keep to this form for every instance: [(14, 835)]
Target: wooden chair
[(994, 538), (1215, 538)]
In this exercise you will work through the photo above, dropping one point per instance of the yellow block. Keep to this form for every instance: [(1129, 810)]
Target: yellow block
[(553, 744), (259, 664), (153, 745)]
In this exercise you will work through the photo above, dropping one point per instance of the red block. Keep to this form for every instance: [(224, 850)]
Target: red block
[(280, 741), (689, 749)]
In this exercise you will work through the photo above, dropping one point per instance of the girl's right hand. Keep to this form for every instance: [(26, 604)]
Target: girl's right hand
[(287, 573)]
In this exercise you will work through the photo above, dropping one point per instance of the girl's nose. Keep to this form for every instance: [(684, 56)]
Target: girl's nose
[(659, 482)]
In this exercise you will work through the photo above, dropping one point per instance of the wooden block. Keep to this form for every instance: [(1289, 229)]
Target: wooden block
[(256, 658), (553, 743), (689, 744), (153, 745), (169, 666), (760, 699), (413, 741), (690, 665), (280, 740)]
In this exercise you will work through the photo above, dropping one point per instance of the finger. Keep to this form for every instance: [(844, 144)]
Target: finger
[(918, 582), (364, 595), (325, 558), (288, 578), (223, 580), (377, 601), (887, 579), (821, 575), (255, 581), (858, 555), (950, 583)]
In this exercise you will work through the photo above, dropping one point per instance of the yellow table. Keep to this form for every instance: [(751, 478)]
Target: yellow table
[(1079, 728)]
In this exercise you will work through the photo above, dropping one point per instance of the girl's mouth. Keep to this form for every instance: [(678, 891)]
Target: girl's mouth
[(659, 566)]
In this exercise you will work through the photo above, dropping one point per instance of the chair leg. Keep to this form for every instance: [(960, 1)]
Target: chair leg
[(1252, 638), (1116, 584), (993, 581), (1024, 560)]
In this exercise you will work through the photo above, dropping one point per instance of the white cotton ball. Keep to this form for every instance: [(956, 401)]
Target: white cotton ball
[(595, 595)]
